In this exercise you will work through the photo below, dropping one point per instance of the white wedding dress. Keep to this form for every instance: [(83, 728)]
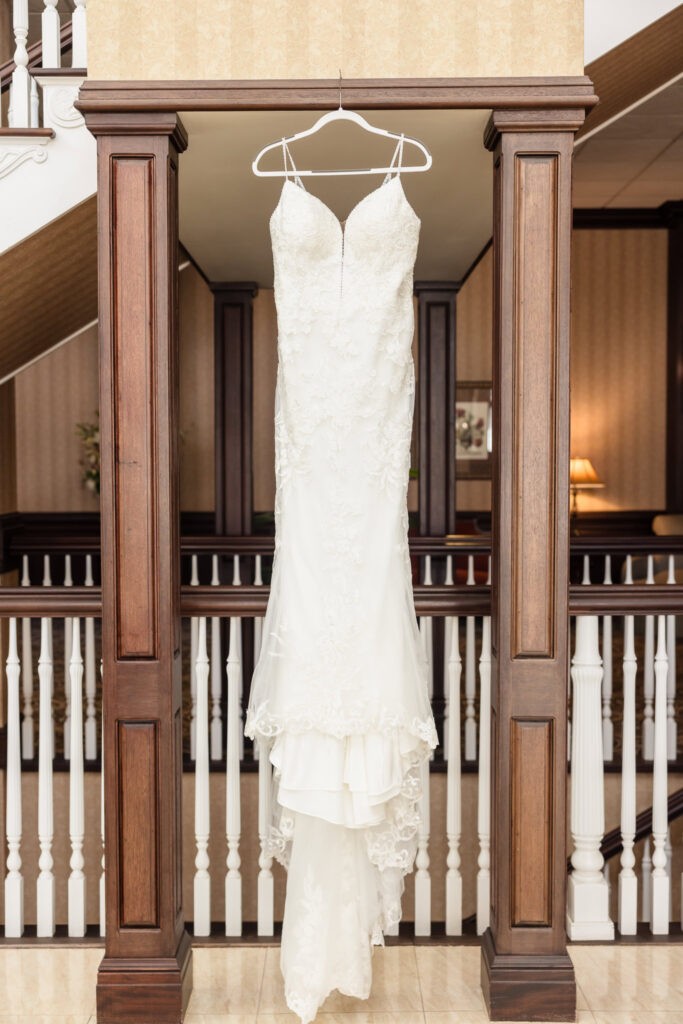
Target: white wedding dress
[(339, 696)]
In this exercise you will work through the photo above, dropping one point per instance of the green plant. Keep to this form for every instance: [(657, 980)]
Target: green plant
[(89, 434)]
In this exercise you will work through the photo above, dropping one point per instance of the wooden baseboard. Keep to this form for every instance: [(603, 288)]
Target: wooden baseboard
[(522, 986), (145, 990)]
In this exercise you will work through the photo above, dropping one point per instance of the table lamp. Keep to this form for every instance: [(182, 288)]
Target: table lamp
[(582, 476)]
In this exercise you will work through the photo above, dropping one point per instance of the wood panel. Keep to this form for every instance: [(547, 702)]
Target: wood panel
[(436, 407), (138, 795), (526, 972), (134, 361), (196, 393), (674, 330), (8, 449), (534, 410), (35, 278), (531, 755), (233, 406), (139, 400)]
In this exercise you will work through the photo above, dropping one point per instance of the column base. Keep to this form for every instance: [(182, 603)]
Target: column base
[(145, 990), (527, 986)]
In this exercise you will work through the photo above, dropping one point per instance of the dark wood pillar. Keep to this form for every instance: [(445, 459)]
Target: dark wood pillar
[(673, 218), (233, 406), (436, 406), (146, 972), (526, 971)]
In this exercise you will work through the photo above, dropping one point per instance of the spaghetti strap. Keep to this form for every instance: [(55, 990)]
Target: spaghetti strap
[(398, 152), (286, 155)]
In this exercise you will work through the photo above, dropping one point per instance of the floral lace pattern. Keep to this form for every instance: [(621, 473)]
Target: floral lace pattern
[(341, 653)]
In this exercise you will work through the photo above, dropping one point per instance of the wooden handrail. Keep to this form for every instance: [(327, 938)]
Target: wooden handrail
[(35, 55), (247, 601), (461, 599), (611, 843)]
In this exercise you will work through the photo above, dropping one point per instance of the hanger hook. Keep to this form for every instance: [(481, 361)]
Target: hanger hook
[(340, 83)]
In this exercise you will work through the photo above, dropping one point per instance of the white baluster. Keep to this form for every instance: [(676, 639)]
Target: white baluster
[(76, 888), (587, 892), (47, 582), (586, 571), (237, 582), (45, 887), (484, 783), (258, 636), (52, 55), (646, 883), (628, 880), (429, 632), (266, 892), (79, 43), (659, 910), (446, 662), (194, 628), (21, 80), (10, 108), (35, 104), (202, 827), (216, 674), (103, 903), (607, 727), (26, 675), (671, 728), (668, 850), (423, 881), (90, 676), (68, 625), (14, 881), (648, 734), (453, 785), (233, 878), (470, 676)]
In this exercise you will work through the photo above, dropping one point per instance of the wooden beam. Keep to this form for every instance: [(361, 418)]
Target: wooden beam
[(323, 94), (142, 698), (526, 971)]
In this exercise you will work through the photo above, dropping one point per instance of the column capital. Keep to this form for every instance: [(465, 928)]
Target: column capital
[(136, 122), (525, 120)]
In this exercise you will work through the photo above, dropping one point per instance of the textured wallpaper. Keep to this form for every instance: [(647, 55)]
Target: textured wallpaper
[(217, 39)]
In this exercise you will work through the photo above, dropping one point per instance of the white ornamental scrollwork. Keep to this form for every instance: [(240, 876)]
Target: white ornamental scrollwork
[(12, 157), (60, 107)]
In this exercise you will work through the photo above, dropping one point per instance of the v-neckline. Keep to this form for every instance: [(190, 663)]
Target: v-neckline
[(344, 225)]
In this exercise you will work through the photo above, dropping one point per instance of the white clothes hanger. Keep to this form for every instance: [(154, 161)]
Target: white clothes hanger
[(341, 114)]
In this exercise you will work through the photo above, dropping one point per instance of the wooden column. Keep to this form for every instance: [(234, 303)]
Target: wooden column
[(436, 406), (673, 218), (146, 972), (233, 406), (526, 971)]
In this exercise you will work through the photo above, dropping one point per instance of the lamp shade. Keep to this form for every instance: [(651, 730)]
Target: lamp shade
[(582, 474)]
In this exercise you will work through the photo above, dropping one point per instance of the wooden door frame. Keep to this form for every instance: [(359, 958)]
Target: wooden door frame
[(526, 972)]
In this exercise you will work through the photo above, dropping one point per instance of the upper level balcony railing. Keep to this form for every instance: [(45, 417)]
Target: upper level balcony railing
[(41, 132)]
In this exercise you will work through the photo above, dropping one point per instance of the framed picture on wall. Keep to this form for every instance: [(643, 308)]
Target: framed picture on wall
[(473, 429)]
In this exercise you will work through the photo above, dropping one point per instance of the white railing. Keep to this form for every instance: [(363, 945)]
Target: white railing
[(452, 876), (611, 654), (23, 110)]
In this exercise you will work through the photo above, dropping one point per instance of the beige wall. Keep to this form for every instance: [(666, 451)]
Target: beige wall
[(51, 397), (196, 393), (61, 389), (618, 372), (217, 39), (618, 363)]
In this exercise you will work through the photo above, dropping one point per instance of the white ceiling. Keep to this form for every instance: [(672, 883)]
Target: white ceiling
[(225, 209)]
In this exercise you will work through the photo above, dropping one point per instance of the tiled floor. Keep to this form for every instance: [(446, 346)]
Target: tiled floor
[(412, 985)]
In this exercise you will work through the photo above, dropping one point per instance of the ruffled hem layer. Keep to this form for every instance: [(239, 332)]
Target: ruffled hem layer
[(345, 815)]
